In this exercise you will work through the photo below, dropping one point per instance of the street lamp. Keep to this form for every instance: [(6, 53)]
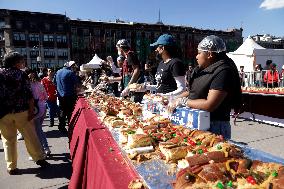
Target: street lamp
[(38, 58)]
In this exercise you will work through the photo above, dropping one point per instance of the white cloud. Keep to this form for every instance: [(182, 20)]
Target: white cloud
[(272, 4)]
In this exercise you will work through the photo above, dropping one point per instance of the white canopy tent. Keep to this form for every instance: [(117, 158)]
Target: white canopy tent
[(244, 55), (250, 53), (93, 64)]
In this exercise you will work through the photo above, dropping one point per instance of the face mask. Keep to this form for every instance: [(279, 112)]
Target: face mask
[(158, 56)]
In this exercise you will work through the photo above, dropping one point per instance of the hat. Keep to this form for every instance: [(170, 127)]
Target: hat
[(164, 39), (212, 43), (123, 43), (70, 63)]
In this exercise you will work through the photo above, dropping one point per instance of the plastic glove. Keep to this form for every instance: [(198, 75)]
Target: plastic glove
[(125, 92), (175, 103)]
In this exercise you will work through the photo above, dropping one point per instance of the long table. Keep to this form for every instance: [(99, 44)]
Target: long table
[(264, 104), (264, 107), (97, 161)]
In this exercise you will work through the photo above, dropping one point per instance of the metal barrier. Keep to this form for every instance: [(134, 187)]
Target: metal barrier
[(256, 79)]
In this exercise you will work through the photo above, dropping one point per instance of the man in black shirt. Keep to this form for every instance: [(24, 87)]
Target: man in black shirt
[(171, 71), (214, 85)]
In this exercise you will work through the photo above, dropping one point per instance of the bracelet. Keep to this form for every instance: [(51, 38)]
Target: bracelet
[(184, 100)]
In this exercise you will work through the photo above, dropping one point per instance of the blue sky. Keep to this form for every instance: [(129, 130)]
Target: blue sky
[(255, 16)]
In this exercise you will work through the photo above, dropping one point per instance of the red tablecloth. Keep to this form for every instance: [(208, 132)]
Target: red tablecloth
[(96, 159)]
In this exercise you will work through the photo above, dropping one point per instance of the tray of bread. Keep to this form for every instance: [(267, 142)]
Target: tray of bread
[(264, 90), (166, 155), (137, 87)]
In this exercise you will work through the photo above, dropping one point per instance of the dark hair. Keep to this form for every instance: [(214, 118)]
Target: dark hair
[(12, 58), (125, 48), (268, 62), (36, 78)]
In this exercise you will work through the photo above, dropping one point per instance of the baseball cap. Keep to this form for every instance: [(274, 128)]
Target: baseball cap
[(212, 43), (164, 39), (70, 63)]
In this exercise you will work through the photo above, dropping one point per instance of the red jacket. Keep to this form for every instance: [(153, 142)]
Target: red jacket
[(271, 76), (50, 89)]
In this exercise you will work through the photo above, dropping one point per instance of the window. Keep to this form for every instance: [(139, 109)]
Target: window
[(62, 52), (128, 35), (147, 35), (97, 32), (33, 25), (22, 51), (45, 38), (2, 23), (49, 52), (19, 36), (1, 52), (19, 24), (118, 34), (34, 64), (22, 37), (16, 37), (49, 63), (107, 33), (61, 39), (48, 38), (34, 52), (138, 34), (85, 32), (74, 31), (47, 26), (34, 37), (60, 27), (64, 39)]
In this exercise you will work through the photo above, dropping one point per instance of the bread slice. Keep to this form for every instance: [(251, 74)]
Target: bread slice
[(138, 140), (172, 152)]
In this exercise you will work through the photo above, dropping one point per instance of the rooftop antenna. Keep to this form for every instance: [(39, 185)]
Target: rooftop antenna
[(159, 19)]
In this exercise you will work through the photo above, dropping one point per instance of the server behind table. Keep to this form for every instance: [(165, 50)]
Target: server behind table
[(214, 85)]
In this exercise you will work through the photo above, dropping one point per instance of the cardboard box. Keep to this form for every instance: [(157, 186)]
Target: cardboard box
[(191, 118)]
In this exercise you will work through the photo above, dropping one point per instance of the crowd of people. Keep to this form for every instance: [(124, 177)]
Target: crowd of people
[(212, 85), (24, 97), (268, 76)]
